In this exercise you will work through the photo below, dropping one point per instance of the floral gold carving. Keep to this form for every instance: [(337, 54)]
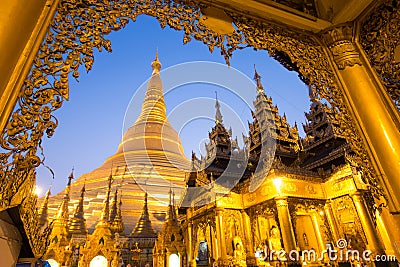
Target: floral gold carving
[(344, 52), (290, 187), (338, 186), (310, 189)]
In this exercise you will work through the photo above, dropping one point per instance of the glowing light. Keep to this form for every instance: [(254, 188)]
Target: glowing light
[(174, 260), (278, 182), (99, 261), (321, 213), (37, 190), (53, 263)]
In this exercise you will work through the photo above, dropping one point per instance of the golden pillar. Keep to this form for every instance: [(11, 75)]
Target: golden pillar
[(371, 234), (289, 241), (384, 233), (318, 232), (220, 233), (23, 25), (247, 230), (190, 243), (376, 118), (393, 231), (331, 221)]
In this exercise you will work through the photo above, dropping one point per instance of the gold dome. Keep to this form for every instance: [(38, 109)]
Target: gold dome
[(154, 158)]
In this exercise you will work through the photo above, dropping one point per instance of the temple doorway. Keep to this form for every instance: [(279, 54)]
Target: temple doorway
[(202, 255), (53, 263), (174, 260), (99, 261)]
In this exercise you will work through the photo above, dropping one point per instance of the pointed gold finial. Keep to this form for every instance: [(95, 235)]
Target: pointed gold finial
[(43, 212), (156, 64), (257, 78), (106, 208), (218, 115), (71, 176)]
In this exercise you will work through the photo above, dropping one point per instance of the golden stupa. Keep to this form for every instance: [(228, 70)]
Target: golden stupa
[(149, 158)]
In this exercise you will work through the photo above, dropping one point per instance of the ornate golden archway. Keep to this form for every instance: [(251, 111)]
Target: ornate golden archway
[(335, 60)]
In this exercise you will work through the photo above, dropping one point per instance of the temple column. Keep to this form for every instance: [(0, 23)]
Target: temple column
[(318, 232), (376, 118), (392, 231), (289, 241), (190, 243), (220, 233), (371, 234), (384, 233), (246, 229), (332, 221)]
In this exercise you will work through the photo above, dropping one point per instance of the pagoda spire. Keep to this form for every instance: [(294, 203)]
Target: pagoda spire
[(171, 207), (143, 227), (59, 232), (63, 210), (218, 114), (153, 107), (43, 211), (156, 64), (257, 78), (114, 204), (77, 223), (105, 215), (117, 225)]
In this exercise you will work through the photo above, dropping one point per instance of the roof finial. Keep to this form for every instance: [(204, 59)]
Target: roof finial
[(71, 176), (43, 212), (257, 78), (106, 208), (156, 65), (218, 115)]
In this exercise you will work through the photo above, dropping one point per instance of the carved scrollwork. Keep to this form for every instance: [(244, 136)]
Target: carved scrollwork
[(339, 40), (380, 38), (39, 239), (348, 216)]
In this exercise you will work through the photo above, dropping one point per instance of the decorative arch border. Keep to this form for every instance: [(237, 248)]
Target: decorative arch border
[(80, 26)]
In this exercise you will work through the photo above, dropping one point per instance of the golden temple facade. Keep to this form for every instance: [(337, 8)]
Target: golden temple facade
[(307, 205), (304, 204)]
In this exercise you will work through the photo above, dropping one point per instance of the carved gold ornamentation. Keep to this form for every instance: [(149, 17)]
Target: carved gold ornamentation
[(290, 187), (380, 38), (38, 238), (338, 186), (339, 40), (310, 189), (251, 197), (349, 221)]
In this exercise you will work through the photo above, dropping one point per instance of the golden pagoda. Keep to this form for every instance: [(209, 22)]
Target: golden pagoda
[(149, 156)]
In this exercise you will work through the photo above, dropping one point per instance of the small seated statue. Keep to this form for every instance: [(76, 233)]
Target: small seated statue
[(239, 254)]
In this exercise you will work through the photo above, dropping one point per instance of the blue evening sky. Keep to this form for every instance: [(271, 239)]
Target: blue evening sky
[(91, 124)]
